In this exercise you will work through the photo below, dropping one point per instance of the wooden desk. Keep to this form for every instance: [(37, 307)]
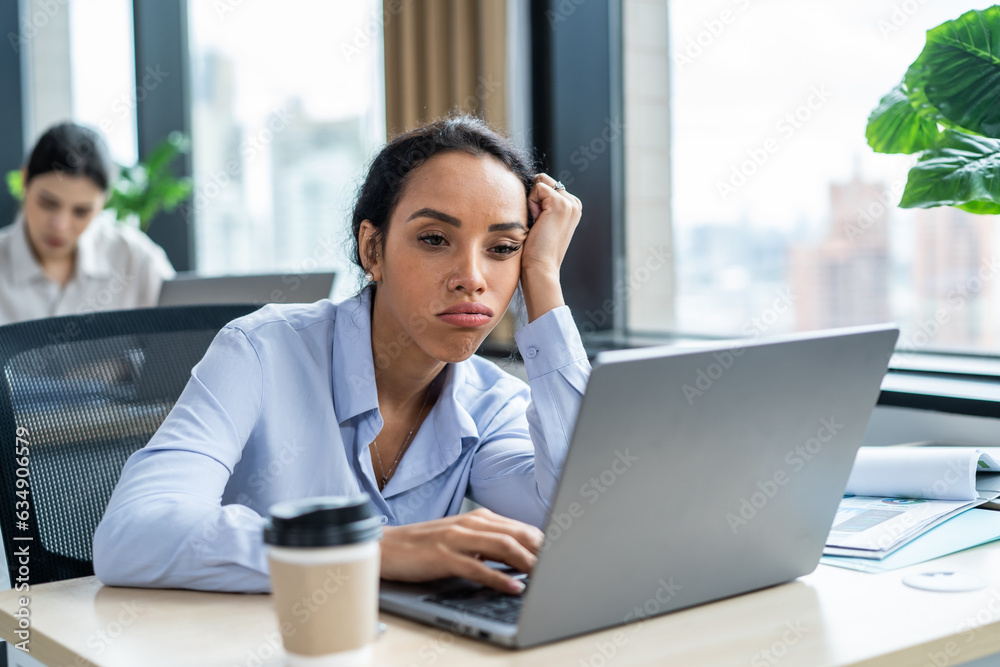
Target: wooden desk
[(830, 617)]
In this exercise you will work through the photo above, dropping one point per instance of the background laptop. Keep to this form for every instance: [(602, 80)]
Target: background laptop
[(186, 290), (691, 476)]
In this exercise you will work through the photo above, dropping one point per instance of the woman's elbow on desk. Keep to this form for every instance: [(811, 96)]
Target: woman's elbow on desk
[(114, 558), (137, 549), (158, 544)]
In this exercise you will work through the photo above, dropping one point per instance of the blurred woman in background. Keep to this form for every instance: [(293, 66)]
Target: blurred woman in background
[(59, 257)]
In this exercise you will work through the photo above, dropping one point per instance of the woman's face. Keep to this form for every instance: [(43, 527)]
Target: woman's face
[(57, 210), (451, 258)]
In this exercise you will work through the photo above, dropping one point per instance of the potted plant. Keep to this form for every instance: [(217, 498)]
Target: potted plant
[(947, 110), (143, 190)]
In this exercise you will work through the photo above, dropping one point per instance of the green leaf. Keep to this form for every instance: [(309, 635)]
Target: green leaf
[(980, 207), (147, 188), (15, 185), (165, 152), (161, 156), (897, 126), (961, 169), (959, 71)]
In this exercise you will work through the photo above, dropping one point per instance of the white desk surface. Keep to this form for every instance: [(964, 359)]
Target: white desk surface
[(830, 617)]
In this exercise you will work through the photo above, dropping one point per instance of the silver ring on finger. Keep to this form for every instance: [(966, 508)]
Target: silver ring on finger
[(558, 186)]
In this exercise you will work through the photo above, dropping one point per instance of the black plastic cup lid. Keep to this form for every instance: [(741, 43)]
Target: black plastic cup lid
[(323, 521)]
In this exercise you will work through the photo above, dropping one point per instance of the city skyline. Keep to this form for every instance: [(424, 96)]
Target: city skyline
[(769, 103), (730, 272)]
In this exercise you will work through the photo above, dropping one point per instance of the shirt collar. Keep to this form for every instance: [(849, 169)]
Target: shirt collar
[(354, 391), (354, 387), (88, 260), (452, 421), (24, 268)]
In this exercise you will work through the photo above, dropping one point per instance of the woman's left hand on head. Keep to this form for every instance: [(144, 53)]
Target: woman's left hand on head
[(556, 213)]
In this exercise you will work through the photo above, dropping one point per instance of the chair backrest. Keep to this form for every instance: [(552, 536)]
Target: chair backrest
[(78, 395)]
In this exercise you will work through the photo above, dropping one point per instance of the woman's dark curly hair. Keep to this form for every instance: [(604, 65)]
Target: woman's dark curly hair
[(387, 174)]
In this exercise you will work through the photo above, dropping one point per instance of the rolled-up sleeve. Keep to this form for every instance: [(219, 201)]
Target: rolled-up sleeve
[(165, 525), (518, 462)]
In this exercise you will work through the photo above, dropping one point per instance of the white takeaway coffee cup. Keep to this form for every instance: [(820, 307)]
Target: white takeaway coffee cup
[(324, 558)]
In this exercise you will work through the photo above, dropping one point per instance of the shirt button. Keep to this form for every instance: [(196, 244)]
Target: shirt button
[(531, 352), (383, 519)]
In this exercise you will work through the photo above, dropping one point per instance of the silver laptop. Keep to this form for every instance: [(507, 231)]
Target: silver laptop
[(187, 290), (692, 475)]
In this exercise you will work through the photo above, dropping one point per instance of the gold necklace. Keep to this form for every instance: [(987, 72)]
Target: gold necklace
[(406, 443)]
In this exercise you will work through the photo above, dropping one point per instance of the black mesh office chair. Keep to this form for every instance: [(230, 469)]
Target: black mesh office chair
[(78, 395)]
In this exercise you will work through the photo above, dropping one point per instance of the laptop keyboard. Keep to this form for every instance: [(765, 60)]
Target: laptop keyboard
[(484, 602)]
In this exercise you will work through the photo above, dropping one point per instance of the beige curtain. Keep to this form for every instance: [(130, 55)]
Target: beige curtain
[(443, 56)]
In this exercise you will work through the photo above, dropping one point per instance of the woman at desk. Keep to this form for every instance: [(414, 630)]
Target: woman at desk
[(57, 259), (381, 393)]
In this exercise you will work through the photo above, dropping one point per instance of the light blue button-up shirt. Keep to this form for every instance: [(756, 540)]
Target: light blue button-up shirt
[(284, 406)]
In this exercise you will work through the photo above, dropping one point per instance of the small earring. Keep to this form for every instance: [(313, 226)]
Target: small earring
[(369, 277)]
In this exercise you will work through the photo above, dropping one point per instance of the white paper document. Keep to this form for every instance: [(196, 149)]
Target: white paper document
[(896, 494), (939, 473), (874, 527), (968, 529)]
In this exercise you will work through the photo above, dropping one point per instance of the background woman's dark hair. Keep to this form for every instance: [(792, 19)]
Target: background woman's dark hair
[(73, 150), (386, 179)]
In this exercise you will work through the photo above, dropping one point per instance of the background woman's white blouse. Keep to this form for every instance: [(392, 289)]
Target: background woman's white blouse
[(284, 405), (117, 267)]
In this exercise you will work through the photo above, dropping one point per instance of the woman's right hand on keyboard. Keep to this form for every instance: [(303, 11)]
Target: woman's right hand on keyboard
[(456, 546)]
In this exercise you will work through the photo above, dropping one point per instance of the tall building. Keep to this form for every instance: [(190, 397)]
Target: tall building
[(844, 280), (953, 275)]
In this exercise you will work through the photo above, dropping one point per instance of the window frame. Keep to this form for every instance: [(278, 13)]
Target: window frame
[(161, 42), (577, 90), (13, 143)]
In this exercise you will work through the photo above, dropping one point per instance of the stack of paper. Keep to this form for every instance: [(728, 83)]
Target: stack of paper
[(868, 527), (968, 529), (896, 494)]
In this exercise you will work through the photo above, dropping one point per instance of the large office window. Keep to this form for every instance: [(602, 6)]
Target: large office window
[(77, 61), (102, 59), (783, 218), (286, 108)]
